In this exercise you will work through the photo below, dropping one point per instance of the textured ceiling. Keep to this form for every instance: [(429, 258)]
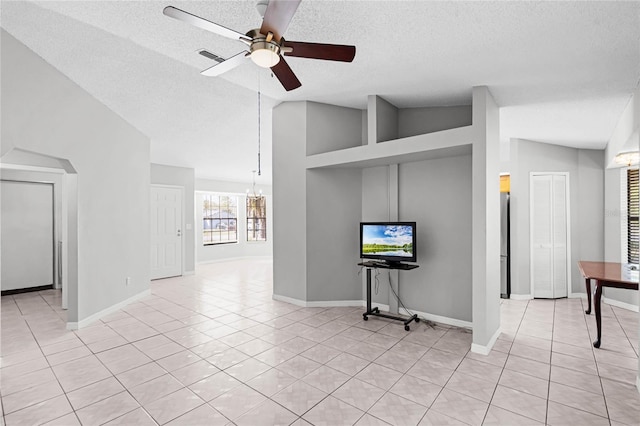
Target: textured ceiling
[(562, 72)]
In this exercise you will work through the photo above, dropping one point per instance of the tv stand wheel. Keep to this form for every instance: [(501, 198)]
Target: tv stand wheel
[(364, 317), (406, 328)]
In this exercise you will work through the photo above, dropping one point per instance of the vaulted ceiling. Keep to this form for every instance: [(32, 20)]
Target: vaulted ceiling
[(562, 72)]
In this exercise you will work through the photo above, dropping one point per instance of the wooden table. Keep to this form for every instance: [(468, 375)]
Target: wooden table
[(605, 274)]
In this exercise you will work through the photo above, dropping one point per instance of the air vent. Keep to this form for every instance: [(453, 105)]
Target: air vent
[(211, 56)]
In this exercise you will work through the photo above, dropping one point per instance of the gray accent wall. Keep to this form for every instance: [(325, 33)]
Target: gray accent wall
[(586, 177), (183, 177), (376, 208), (437, 195), (418, 121), (334, 206), (44, 112), (331, 128), (289, 200), (613, 216)]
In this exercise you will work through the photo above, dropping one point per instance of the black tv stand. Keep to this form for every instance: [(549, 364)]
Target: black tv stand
[(375, 311)]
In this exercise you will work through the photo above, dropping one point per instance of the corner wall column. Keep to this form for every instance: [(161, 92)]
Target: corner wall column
[(290, 183), (382, 120), (485, 222)]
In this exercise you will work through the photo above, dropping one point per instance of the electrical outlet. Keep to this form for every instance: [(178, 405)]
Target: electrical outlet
[(127, 281)]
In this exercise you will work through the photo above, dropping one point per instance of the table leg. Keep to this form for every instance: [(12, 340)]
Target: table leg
[(587, 282), (596, 306)]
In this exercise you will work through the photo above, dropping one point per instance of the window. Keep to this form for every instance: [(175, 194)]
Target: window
[(256, 218), (219, 219), (632, 218)]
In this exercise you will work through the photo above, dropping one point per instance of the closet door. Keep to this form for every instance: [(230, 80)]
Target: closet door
[(549, 229)]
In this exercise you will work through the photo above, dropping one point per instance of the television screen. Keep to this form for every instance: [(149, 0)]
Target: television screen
[(388, 241)]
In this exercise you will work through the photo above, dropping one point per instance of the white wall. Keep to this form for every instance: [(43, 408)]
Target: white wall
[(242, 248), (626, 135), (45, 112), (183, 177)]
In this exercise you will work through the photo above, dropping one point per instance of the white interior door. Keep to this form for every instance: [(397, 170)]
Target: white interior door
[(549, 235), (27, 234), (166, 232)]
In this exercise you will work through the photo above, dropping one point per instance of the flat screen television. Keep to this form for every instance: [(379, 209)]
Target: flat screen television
[(390, 242)]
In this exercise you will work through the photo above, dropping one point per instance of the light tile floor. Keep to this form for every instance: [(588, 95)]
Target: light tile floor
[(215, 348)]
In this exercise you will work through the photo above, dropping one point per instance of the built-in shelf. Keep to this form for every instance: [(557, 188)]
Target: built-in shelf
[(445, 143)]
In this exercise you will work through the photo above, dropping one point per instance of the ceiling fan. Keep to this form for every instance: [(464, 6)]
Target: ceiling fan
[(266, 46)]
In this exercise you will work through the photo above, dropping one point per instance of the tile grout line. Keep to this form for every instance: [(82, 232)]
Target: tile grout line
[(506, 360)]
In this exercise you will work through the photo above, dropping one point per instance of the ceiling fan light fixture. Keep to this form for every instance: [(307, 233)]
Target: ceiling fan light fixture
[(265, 54)]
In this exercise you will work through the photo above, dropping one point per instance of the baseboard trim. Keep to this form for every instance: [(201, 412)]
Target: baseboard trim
[(231, 259), (638, 382), (334, 303), (111, 309), (357, 303), (291, 300), (577, 295), (485, 350), (324, 303), (189, 273), (623, 305), (440, 319), (520, 296), (380, 306)]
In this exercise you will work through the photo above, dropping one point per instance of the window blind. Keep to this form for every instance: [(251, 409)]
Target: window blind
[(633, 231)]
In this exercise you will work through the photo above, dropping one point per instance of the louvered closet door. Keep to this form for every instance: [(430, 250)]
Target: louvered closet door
[(549, 236)]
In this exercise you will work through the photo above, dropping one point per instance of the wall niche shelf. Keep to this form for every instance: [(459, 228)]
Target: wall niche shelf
[(391, 135), (445, 143)]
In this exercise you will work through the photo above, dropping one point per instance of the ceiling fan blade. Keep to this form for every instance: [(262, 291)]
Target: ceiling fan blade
[(328, 52), (227, 64), (286, 76), (278, 16), (199, 22)]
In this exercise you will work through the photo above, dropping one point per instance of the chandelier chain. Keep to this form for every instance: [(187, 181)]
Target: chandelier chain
[(259, 132)]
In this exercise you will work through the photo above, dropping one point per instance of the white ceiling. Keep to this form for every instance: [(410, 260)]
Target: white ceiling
[(562, 72)]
